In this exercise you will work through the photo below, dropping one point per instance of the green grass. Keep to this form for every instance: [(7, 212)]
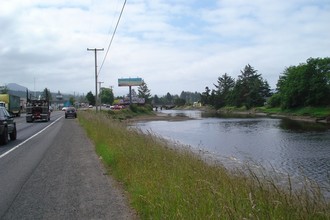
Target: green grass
[(164, 182), (306, 111), (313, 111)]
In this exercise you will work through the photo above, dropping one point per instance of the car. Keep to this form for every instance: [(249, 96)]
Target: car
[(116, 107), (71, 112), (7, 126), (64, 108)]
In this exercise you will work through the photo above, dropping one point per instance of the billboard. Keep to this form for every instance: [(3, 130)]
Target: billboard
[(130, 82)]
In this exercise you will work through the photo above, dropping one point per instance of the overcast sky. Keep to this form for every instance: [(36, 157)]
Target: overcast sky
[(174, 45)]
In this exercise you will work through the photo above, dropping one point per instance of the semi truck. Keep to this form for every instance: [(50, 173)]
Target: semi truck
[(37, 109), (12, 103)]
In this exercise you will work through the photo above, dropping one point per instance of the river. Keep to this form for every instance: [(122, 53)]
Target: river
[(280, 145)]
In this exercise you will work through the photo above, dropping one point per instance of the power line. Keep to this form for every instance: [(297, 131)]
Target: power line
[(113, 35), (115, 17)]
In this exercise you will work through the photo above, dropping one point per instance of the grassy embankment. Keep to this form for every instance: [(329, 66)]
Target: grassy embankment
[(164, 183), (306, 111)]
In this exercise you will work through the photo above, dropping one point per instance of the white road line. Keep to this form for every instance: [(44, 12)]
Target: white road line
[(19, 145)]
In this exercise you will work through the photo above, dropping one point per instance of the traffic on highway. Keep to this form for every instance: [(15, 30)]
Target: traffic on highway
[(19, 157), (44, 171), (26, 130)]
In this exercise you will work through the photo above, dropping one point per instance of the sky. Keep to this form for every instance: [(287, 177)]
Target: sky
[(173, 45)]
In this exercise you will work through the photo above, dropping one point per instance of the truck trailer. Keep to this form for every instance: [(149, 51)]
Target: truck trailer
[(12, 103), (37, 109)]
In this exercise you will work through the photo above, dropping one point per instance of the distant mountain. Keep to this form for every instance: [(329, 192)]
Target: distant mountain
[(16, 87), (18, 90)]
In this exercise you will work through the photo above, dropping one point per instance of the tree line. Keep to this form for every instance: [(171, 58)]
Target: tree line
[(185, 98), (249, 90), (307, 84)]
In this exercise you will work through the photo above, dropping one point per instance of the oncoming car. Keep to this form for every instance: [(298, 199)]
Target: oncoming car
[(7, 126), (71, 112)]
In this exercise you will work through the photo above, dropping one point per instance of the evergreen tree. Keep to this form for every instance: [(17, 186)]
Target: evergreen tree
[(144, 92), (224, 87), (190, 97), (205, 96), (156, 100), (250, 89), (179, 102), (169, 98)]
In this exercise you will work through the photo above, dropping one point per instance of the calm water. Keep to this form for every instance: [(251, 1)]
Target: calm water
[(298, 149)]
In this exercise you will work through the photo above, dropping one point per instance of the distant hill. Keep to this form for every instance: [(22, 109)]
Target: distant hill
[(16, 87), (18, 90)]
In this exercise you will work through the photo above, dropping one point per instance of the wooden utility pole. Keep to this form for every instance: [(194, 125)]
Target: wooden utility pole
[(95, 51)]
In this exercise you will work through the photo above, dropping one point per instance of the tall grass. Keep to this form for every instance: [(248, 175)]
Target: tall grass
[(168, 183)]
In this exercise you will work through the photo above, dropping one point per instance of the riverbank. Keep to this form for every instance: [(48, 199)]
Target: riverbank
[(158, 116), (235, 112), (168, 183), (325, 120), (143, 114), (312, 115)]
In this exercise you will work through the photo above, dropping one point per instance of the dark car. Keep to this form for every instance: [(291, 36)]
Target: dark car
[(7, 126), (70, 112)]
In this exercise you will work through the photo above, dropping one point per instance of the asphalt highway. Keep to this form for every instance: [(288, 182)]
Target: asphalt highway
[(52, 172)]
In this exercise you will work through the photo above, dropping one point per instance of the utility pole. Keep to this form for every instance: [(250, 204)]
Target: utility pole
[(100, 93), (95, 51)]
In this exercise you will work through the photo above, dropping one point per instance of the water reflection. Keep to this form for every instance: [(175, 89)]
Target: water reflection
[(299, 149), (297, 126)]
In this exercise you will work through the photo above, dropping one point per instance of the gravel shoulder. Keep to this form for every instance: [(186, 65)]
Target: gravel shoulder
[(71, 183)]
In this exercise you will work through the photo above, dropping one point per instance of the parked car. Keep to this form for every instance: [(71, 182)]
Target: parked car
[(71, 112), (7, 126)]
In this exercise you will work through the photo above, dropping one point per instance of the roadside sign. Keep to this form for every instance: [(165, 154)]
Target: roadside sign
[(130, 82)]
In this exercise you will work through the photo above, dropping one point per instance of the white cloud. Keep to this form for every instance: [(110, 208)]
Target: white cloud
[(172, 45)]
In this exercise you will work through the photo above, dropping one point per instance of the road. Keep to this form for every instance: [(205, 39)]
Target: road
[(52, 172)]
